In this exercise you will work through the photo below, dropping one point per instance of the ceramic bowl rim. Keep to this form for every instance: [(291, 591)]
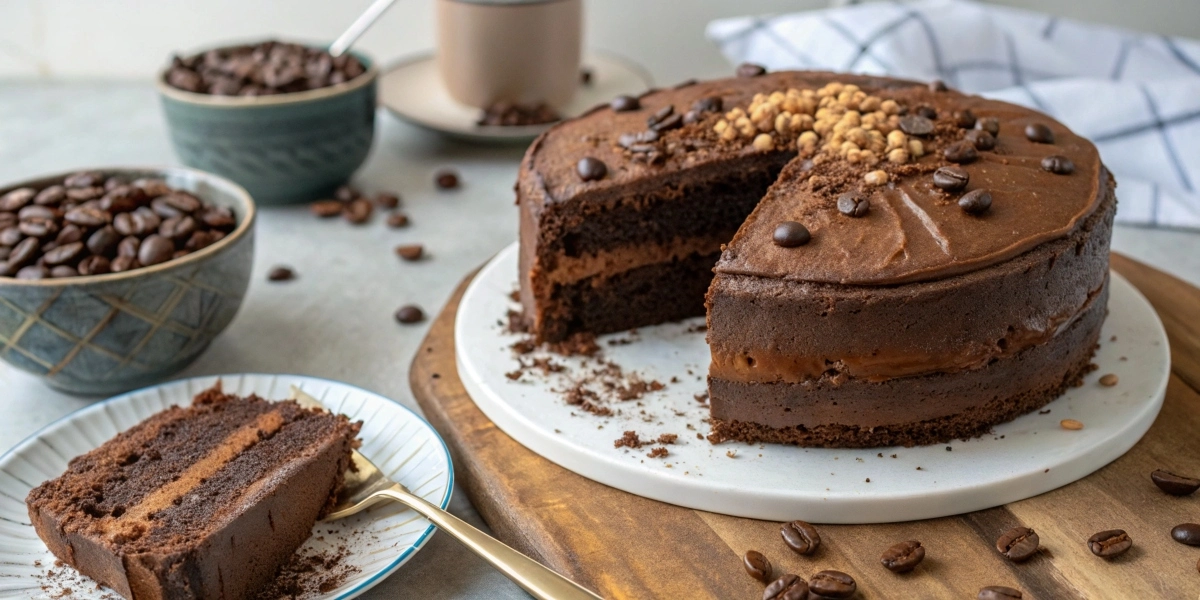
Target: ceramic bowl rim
[(235, 102), (239, 232)]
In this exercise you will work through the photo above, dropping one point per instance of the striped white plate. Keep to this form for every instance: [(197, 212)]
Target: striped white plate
[(378, 541)]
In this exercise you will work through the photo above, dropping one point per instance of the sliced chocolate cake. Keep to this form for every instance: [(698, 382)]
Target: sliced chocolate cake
[(200, 502), (898, 263)]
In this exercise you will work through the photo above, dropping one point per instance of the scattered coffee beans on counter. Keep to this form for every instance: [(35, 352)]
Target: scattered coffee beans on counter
[(509, 114), (91, 224), (409, 314), (787, 587), (1186, 533), (410, 252), (446, 179), (1108, 544), (998, 592), (1071, 424), (1109, 380), (358, 211), (397, 220), (832, 584), (1018, 544), (757, 565), (326, 208), (281, 273), (1175, 485), (353, 206), (387, 200), (262, 69), (800, 536), (903, 557)]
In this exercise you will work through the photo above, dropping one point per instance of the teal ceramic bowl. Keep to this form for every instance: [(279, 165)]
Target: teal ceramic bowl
[(104, 334), (283, 149)]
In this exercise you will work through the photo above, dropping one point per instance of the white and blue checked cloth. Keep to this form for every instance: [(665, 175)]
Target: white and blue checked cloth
[(1137, 96)]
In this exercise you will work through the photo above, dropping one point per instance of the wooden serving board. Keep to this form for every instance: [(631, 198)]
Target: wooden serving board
[(626, 546)]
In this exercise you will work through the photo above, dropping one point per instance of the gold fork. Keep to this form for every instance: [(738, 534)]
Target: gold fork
[(366, 485)]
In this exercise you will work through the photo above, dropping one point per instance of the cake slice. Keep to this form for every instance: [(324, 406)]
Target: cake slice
[(200, 502)]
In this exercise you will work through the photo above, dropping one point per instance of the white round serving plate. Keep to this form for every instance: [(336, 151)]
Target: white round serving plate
[(412, 90), (1023, 458), (378, 540)]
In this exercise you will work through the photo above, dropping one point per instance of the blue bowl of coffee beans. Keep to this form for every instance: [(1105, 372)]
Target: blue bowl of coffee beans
[(113, 279), (289, 122)]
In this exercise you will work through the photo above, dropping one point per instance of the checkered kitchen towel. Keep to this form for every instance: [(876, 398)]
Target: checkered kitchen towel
[(1136, 96)]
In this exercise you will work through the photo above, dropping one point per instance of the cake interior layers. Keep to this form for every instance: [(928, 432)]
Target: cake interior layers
[(199, 502), (640, 257)]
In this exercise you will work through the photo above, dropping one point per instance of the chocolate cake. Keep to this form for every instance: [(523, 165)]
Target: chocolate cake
[(200, 502), (895, 262)]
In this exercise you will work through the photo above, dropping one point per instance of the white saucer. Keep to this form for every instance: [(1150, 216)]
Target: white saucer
[(412, 90), (377, 541), (1023, 458)]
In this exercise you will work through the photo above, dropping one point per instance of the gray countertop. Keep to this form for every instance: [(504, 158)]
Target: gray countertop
[(335, 320)]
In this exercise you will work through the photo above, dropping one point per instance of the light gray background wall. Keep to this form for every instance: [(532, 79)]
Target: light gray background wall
[(102, 39)]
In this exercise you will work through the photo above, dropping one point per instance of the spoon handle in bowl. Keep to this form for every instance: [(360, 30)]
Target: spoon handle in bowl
[(360, 25)]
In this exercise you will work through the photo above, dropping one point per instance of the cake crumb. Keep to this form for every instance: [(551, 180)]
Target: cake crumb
[(667, 438), (731, 453), (629, 439), (658, 452)]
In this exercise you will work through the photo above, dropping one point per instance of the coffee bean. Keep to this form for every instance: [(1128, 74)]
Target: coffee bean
[(63, 271), (1175, 485), (1039, 133), (965, 119), (33, 272), (262, 69), (660, 115), (218, 217), (396, 220), (625, 103), (358, 211), (183, 202), (409, 314), (998, 592), (63, 254), (37, 212), (591, 169), (124, 263), (145, 221), (790, 234), (87, 216), (1187, 533), (129, 246), (750, 70), (1108, 544), (84, 179), (345, 193), (674, 121), (708, 104), (951, 179), (410, 252), (787, 587), (69, 234), (16, 199), (38, 228), (164, 209), (281, 273), (832, 584), (937, 85), (155, 249), (177, 228), (24, 252), (903, 557), (51, 196), (7, 220), (961, 152), (94, 265), (981, 139), (387, 200), (975, 202), (446, 179), (124, 224), (123, 199), (801, 537), (11, 236), (989, 124), (853, 204), (1059, 165), (201, 240), (326, 208), (629, 140), (153, 187), (757, 565), (1018, 544), (916, 125)]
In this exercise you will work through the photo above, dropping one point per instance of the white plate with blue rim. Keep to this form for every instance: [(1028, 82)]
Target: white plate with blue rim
[(377, 541)]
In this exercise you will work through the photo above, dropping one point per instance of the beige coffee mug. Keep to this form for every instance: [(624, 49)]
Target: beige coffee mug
[(521, 51)]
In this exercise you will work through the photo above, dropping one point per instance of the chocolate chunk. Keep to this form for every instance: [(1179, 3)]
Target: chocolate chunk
[(281, 273), (961, 152), (1187, 533), (853, 204), (1175, 485), (801, 537), (1108, 544), (750, 70), (951, 179), (757, 565), (1059, 165), (903, 557), (790, 234), (787, 587), (1018, 543), (832, 584), (625, 103), (981, 139), (409, 314), (998, 592), (591, 169), (410, 252), (1039, 133), (989, 124), (916, 125), (446, 179)]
